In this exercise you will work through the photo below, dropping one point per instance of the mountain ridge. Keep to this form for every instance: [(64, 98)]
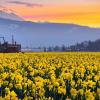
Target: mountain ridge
[(46, 34)]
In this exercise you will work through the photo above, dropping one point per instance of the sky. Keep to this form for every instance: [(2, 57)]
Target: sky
[(82, 12)]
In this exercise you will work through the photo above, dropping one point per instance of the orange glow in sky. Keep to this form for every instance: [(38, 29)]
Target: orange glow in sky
[(84, 14)]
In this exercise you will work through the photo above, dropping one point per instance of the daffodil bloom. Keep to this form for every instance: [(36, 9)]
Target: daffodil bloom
[(73, 92)]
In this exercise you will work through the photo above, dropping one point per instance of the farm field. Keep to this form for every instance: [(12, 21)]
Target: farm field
[(50, 76)]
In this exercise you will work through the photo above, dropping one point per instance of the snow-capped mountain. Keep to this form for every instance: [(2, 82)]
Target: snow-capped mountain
[(10, 15)]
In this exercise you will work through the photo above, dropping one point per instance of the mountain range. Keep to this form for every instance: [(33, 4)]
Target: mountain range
[(34, 34)]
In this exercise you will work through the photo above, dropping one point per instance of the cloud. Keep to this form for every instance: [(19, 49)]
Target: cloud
[(1, 7), (5, 9), (26, 4)]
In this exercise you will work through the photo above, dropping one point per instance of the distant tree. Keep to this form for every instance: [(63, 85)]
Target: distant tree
[(56, 48), (50, 49), (45, 49), (63, 48)]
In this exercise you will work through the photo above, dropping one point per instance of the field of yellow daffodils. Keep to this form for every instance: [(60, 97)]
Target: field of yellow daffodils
[(50, 76)]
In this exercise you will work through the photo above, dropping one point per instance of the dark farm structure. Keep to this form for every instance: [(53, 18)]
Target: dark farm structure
[(6, 47)]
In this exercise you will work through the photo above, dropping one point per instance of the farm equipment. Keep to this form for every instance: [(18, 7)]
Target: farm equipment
[(6, 47)]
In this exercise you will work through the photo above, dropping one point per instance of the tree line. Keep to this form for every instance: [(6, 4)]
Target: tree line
[(87, 46)]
